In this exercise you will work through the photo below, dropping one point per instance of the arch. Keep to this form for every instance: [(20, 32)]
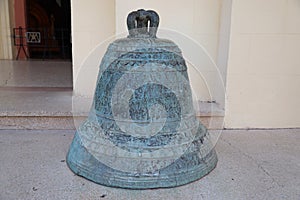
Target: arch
[(38, 17)]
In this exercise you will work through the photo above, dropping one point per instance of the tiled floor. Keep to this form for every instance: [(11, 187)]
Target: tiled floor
[(35, 94), (35, 73)]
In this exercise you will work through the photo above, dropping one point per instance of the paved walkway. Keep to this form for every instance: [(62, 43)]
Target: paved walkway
[(256, 164)]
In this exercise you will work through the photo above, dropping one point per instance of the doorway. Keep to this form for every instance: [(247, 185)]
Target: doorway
[(48, 31)]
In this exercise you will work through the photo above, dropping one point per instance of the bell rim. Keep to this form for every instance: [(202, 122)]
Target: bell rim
[(208, 164)]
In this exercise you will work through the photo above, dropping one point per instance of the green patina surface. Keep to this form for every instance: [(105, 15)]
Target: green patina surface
[(142, 131)]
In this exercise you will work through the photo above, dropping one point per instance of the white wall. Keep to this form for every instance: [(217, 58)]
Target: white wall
[(264, 64), (223, 50), (93, 21)]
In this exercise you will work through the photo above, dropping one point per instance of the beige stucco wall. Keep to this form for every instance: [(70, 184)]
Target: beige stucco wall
[(93, 21), (263, 76)]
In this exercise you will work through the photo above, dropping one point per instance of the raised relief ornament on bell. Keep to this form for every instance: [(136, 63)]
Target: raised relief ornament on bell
[(142, 131)]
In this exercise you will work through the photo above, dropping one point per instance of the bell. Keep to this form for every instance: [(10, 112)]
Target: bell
[(142, 131)]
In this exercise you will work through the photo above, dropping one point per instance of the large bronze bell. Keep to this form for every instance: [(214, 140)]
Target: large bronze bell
[(142, 131)]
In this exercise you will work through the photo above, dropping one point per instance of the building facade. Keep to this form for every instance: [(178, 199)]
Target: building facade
[(255, 45)]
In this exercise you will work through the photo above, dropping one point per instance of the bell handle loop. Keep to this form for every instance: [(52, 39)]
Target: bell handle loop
[(138, 22)]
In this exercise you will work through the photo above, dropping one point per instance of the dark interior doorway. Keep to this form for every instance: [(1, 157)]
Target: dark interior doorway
[(49, 27)]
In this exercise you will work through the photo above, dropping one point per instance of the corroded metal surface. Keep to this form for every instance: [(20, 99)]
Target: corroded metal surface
[(142, 131)]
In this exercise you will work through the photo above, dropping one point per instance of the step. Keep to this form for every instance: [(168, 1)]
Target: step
[(36, 108), (51, 109)]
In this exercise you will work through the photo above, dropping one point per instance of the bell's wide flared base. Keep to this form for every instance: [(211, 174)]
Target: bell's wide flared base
[(188, 168)]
